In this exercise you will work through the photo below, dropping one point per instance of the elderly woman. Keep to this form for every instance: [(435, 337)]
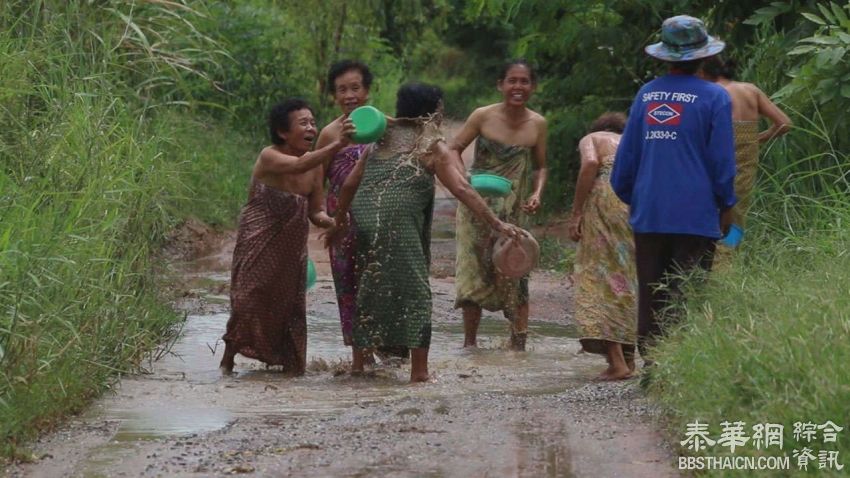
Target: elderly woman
[(394, 206), (605, 265), (268, 320), (510, 141), (349, 82)]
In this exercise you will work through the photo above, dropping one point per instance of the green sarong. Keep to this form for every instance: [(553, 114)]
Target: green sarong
[(476, 279)]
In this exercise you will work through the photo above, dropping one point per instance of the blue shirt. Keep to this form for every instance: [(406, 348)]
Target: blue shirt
[(675, 166)]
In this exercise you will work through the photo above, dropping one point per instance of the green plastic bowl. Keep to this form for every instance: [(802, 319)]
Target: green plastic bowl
[(370, 124), (311, 273), (491, 185)]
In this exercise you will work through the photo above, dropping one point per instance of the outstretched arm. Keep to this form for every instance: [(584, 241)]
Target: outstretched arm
[(780, 122), (445, 161), (274, 163), (586, 177)]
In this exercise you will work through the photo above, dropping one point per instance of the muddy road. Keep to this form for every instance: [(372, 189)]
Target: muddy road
[(489, 412)]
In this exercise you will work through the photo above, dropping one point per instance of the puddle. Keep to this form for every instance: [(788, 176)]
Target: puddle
[(186, 395), (165, 420)]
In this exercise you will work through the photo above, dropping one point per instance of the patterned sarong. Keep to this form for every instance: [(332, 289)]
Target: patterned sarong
[(476, 279), (342, 254), (268, 319), (605, 274), (394, 206)]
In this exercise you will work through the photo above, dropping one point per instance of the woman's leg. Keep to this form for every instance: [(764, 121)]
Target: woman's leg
[(471, 320), (227, 361), (360, 357), (519, 328), (419, 365), (618, 369)]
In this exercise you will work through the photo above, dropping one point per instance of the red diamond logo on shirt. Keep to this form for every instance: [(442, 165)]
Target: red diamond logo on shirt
[(664, 113)]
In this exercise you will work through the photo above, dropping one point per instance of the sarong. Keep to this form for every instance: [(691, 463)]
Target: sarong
[(342, 254), (394, 207), (268, 319), (605, 274), (746, 167), (476, 279)]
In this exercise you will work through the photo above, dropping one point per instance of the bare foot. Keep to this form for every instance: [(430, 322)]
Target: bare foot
[(618, 374)]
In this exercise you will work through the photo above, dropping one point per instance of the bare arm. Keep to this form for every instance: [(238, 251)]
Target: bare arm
[(468, 132), (584, 184), (274, 163), (445, 160), (317, 215), (541, 172), (780, 122)]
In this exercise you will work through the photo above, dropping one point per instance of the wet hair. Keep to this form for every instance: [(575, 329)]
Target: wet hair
[(344, 66), (689, 67), (612, 121), (518, 62), (414, 100), (279, 116), (717, 66)]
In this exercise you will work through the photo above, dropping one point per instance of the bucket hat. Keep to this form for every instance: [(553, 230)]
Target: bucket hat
[(516, 257), (684, 38)]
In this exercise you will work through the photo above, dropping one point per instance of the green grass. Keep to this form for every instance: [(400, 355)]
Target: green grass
[(95, 169), (766, 340)]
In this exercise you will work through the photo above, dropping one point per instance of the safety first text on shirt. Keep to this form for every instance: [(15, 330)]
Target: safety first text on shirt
[(665, 108)]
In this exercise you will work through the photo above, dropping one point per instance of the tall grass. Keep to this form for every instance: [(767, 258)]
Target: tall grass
[(766, 340), (98, 160)]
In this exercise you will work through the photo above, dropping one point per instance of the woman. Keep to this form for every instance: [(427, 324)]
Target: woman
[(749, 103), (349, 82), (605, 265), (393, 207), (268, 320), (510, 142)]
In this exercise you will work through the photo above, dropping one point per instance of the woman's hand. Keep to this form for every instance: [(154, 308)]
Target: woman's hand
[(506, 229), (574, 227), (532, 204), (336, 232), (346, 130)]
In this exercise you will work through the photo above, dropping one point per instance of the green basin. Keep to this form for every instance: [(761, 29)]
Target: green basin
[(370, 124), (491, 185), (311, 273)]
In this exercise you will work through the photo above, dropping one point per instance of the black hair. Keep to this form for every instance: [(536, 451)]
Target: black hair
[(689, 67), (717, 66), (343, 66), (612, 121), (521, 62), (417, 99), (279, 116)]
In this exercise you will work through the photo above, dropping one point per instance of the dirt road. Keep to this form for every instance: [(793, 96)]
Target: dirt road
[(489, 412)]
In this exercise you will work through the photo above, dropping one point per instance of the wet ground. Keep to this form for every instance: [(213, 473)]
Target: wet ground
[(489, 412)]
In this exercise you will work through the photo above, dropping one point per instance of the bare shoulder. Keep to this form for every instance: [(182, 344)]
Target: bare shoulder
[(482, 113), (538, 119), (329, 133), (745, 88)]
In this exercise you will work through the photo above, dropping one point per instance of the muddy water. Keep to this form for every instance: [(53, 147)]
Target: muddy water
[(548, 366), (488, 412)]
